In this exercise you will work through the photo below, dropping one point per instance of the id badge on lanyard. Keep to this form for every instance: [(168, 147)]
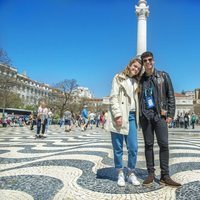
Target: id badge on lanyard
[(149, 98)]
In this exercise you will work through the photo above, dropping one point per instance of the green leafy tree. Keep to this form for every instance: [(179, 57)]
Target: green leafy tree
[(14, 101)]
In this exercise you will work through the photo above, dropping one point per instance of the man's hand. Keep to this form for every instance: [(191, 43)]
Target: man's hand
[(169, 120), (118, 121)]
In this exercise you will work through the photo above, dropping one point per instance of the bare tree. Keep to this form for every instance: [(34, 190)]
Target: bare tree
[(65, 95), (4, 59)]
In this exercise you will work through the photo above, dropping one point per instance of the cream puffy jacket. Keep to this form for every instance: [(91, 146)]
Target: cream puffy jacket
[(120, 103)]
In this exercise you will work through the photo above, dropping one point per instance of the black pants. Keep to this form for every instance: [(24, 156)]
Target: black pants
[(193, 125), (161, 132), (39, 124), (186, 124), (33, 123)]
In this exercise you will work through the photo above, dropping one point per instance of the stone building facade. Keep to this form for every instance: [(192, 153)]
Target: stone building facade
[(184, 104), (197, 96), (30, 91), (83, 92)]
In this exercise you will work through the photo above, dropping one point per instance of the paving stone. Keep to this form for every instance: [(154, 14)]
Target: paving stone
[(79, 165)]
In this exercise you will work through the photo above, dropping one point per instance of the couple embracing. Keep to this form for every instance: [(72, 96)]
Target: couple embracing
[(141, 95)]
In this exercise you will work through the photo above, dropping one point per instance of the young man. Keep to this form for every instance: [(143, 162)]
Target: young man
[(157, 108)]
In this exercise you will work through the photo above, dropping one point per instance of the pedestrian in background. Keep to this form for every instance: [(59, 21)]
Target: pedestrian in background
[(193, 120), (42, 115), (67, 120), (84, 115), (49, 119)]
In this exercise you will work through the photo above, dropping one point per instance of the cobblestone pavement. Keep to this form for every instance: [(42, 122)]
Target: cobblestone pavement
[(79, 165)]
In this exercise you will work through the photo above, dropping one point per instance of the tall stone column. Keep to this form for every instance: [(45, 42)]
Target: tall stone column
[(142, 12)]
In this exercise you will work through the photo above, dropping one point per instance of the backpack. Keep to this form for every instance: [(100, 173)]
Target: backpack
[(186, 119), (193, 119)]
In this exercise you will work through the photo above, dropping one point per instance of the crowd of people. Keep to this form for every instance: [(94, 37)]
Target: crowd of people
[(85, 119), (14, 120), (43, 117), (185, 121)]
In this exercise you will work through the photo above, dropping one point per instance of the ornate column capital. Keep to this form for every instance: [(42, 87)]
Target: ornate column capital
[(142, 1), (142, 11)]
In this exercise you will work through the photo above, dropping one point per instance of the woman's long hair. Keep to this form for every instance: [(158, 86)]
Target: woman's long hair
[(126, 71), (137, 77)]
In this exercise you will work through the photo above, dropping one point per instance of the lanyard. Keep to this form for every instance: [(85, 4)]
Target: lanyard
[(148, 92)]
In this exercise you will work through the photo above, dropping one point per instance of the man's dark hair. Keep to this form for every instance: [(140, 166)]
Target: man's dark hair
[(146, 54)]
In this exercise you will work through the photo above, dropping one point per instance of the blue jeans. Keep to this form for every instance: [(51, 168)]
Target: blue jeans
[(48, 123), (131, 144)]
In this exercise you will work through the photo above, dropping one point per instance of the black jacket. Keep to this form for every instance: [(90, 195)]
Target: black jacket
[(165, 93)]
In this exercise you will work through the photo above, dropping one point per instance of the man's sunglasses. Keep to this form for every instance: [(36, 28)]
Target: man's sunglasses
[(149, 59)]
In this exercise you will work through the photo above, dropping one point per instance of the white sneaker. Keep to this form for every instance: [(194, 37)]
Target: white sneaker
[(133, 179), (121, 180)]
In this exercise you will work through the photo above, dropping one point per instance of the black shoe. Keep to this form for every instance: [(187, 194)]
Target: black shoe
[(166, 180), (149, 180)]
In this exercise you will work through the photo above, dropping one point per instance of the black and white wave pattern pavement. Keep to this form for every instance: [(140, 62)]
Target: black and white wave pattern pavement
[(79, 165)]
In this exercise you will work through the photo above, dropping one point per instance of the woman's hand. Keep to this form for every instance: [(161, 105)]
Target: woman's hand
[(118, 121)]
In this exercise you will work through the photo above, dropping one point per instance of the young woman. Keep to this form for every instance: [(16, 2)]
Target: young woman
[(123, 117)]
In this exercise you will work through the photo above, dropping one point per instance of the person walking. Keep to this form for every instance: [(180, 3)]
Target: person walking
[(49, 119), (121, 119), (98, 116), (193, 120), (92, 119), (42, 119), (157, 108), (186, 120), (68, 120), (84, 115)]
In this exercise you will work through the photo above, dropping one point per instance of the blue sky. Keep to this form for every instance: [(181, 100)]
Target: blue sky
[(91, 40)]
